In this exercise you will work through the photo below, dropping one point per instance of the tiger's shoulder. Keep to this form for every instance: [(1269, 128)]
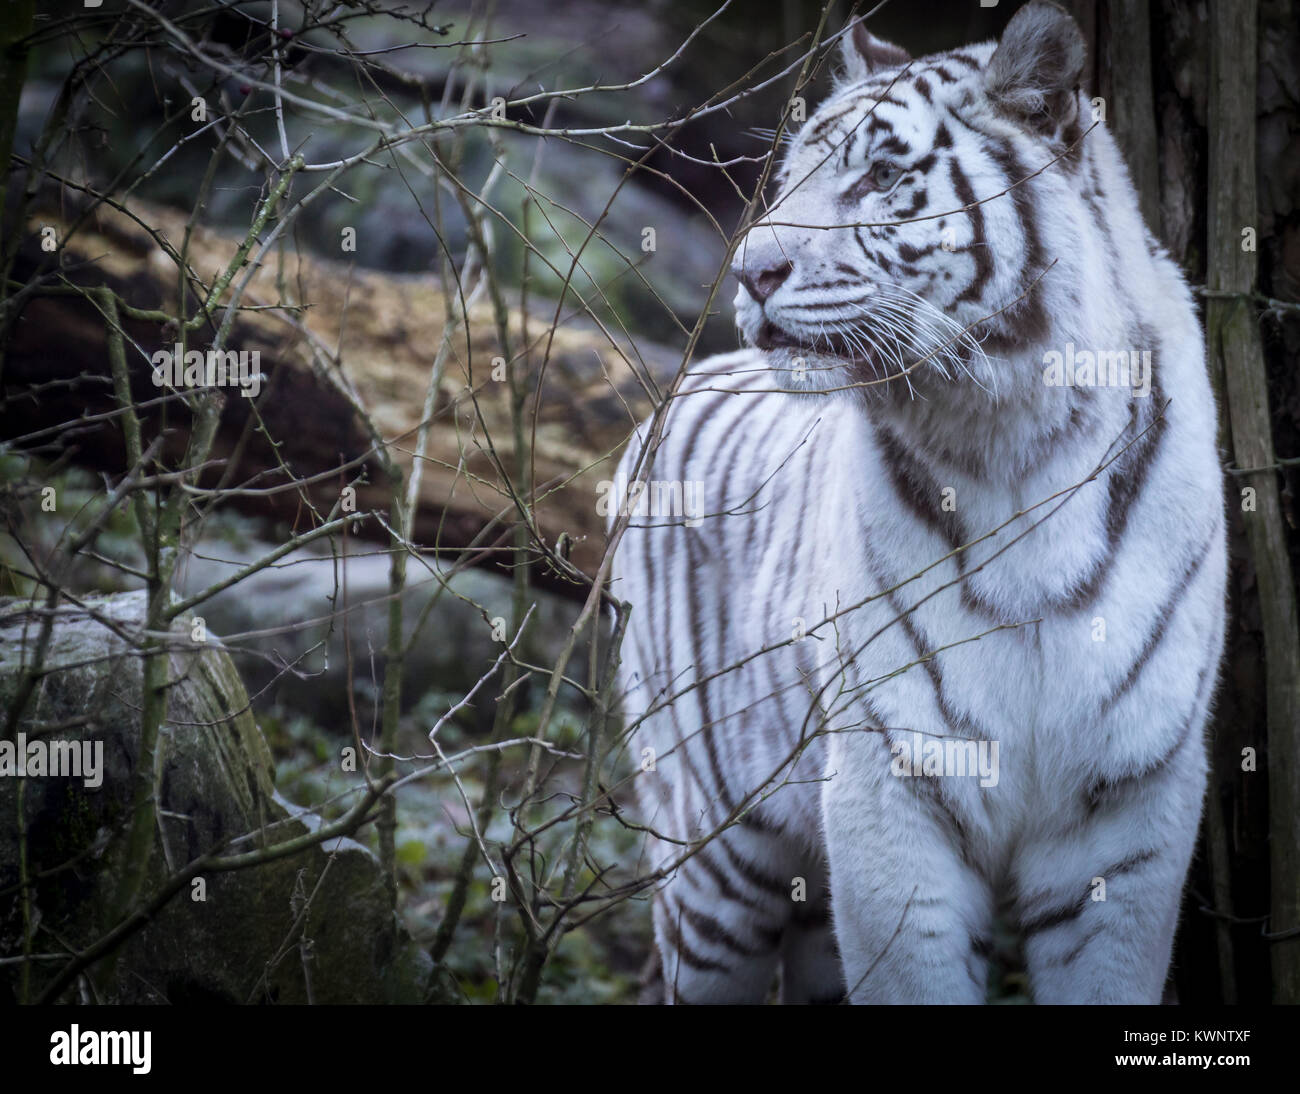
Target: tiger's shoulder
[(714, 394), (731, 442)]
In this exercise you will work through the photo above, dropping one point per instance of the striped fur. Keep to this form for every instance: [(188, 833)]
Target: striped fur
[(953, 541)]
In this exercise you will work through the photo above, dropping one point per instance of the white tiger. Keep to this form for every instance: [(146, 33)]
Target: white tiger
[(993, 550)]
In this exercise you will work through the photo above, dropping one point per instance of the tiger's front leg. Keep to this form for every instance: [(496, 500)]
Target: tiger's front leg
[(731, 915), (1098, 899), (912, 913)]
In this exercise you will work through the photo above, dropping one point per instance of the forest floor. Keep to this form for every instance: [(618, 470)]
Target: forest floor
[(597, 963)]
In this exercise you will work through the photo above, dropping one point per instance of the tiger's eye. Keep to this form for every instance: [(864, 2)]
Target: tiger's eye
[(880, 178), (884, 175)]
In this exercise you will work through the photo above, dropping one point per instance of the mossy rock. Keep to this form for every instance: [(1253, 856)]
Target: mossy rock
[(316, 926)]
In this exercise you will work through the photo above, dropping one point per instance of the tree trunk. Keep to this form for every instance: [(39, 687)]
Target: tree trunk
[(1235, 349)]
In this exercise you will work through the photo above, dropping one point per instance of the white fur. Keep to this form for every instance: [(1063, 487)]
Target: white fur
[(804, 524)]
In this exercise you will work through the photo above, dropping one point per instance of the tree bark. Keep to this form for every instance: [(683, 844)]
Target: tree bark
[(1132, 113), (1235, 348)]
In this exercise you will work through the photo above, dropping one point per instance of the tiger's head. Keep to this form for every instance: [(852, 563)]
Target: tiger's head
[(917, 212)]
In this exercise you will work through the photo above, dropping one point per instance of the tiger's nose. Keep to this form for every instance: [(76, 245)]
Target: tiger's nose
[(763, 282)]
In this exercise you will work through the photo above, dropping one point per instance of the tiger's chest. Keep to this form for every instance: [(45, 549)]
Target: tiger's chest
[(1018, 626)]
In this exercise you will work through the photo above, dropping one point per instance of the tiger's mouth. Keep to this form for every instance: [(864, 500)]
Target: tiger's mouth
[(771, 337)]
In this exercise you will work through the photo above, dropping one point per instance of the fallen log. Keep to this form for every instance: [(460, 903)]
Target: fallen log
[(355, 337)]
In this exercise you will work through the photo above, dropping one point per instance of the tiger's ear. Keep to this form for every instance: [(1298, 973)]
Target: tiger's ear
[(862, 54), (1035, 71)]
